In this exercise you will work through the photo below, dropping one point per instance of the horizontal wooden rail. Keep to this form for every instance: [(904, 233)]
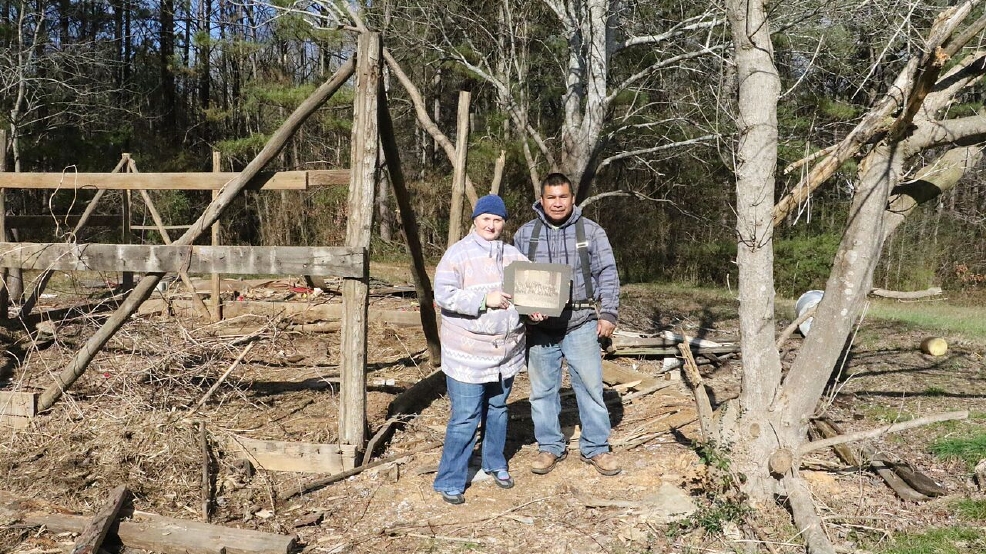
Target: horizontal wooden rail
[(282, 180), (242, 260), (49, 221)]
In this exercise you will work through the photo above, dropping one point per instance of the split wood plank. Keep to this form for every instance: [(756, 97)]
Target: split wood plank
[(295, 456), (267, 260), (673, 351), (92, 537), (702, 403), (614, 374), (18, 404), (282, 180)]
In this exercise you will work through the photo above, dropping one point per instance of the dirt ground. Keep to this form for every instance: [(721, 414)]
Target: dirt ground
[(130, 421)]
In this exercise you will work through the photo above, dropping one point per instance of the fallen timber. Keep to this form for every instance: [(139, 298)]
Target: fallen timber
[(147, 531)]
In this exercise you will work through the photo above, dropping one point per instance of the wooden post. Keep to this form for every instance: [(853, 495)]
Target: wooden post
[(127, 280), (4, 293), (355, 292), (459, 171), (84, 356), (426, 295), (216, 301)]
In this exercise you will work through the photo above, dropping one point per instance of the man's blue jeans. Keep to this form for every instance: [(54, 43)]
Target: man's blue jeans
[(472, 404), (580, 348)]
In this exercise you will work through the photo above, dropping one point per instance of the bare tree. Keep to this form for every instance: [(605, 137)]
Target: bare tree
[(766, 427)]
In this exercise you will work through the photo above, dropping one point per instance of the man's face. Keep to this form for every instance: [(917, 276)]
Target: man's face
[(557, 202)]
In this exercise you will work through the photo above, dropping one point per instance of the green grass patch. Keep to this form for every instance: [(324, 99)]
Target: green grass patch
[(969, 449), (950, 540), (965, 321), (971, 510)]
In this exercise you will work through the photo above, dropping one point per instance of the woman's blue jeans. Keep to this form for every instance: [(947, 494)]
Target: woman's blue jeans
[(580, 348), (473, 404)]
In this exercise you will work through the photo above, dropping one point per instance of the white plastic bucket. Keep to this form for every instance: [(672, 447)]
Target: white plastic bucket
[(806, 302)]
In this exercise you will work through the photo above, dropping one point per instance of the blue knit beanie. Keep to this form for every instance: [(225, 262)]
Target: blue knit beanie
[(490, 204)]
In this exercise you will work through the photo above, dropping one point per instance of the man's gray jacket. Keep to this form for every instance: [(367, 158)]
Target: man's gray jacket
[(558, 245)]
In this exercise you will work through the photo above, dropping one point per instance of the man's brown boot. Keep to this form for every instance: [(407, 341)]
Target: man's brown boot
[(546, 461), (604, 463)]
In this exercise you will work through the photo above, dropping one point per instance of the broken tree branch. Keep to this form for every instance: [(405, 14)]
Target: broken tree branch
[(871, 433), (222, 378)]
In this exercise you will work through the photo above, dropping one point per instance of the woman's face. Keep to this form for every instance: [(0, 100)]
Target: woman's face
[(488, 226)]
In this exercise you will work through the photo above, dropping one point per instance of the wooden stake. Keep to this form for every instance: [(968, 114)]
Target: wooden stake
[(206, 479), (216, 300)]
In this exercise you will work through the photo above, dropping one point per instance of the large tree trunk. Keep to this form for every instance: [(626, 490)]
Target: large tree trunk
[(759, 87)]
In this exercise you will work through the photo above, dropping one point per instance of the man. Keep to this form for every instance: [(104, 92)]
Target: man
[(555, 236)]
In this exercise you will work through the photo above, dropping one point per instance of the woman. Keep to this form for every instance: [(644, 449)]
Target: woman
[(482, 348)]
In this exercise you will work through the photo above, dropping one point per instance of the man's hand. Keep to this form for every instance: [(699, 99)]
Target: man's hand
[(497, 300), (604, 328)]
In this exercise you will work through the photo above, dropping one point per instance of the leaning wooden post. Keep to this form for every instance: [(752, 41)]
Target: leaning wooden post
[(355, 292), (216, 301), (231, 190), (459, 171), (4, 293), (426, 295)]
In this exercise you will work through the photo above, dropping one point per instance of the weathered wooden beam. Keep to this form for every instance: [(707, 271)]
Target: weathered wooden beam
[(45, 221), (282, 180), (152, 258), (92, 537), (156, 533), (297, 311), (303, 457)]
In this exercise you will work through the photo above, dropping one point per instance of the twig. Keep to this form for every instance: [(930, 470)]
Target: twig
[(215, 385)]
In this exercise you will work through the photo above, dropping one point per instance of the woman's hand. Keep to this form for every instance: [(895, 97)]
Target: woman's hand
[(537, 317), (497, 300)]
